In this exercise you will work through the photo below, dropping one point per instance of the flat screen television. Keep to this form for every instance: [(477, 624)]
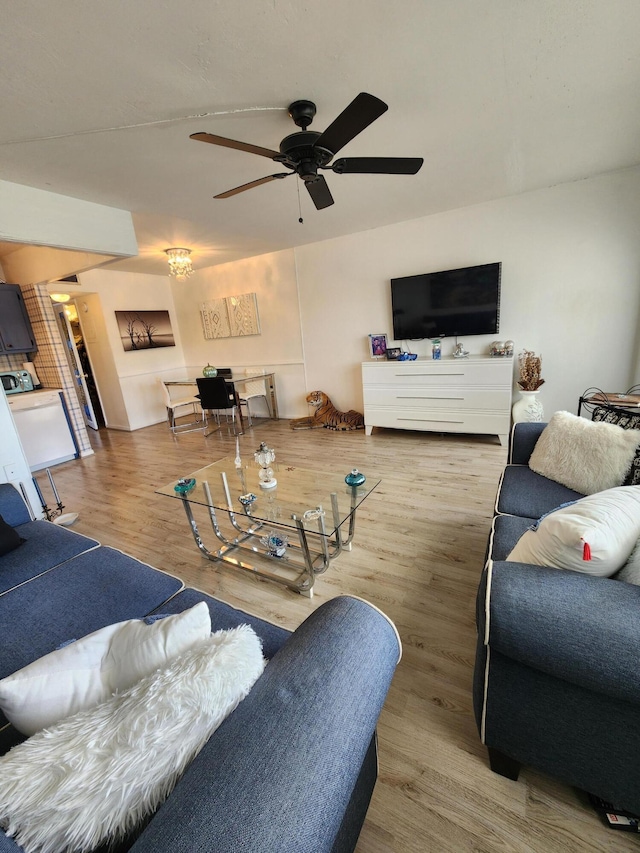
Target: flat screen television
[(441, 304)]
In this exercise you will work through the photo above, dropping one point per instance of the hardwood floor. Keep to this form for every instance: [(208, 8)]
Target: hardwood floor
[(417, 554)]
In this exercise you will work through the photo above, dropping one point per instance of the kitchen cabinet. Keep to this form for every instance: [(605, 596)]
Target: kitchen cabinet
[(16, 334)]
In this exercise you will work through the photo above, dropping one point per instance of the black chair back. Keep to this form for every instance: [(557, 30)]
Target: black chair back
[(215, 393)]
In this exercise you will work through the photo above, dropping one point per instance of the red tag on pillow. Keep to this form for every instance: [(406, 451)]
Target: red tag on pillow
[(586, 552)]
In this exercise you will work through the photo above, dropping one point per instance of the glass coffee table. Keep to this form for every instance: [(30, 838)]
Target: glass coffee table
[(296, 528)]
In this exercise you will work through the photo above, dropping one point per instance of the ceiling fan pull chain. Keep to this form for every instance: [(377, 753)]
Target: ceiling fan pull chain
[(300, 220)]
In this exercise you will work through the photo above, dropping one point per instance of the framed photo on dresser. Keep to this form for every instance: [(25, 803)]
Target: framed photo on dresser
[(377, 346)]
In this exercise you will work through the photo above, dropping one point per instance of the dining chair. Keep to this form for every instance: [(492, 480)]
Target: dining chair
[(173, 411), (252, 390), (219, 396)]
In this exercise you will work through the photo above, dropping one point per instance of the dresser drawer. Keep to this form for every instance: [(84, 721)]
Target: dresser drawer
[(439, 420), (433, 374), (407, 397)]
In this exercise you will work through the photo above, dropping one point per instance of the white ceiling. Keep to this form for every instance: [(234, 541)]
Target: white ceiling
[(498, 96)]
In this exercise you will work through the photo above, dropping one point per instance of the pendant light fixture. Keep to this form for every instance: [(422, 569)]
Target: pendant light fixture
[(179, 263)]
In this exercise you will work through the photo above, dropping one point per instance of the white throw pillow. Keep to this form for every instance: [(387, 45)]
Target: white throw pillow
[(594, 535), (89, 670), (92, 777), (583, 455)]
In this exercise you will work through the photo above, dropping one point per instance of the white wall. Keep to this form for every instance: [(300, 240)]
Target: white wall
[(570, 291), (137, 402), (570, 285), (278, 348)]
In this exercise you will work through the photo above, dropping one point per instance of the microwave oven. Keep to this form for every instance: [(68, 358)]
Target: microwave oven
[(15, 381)]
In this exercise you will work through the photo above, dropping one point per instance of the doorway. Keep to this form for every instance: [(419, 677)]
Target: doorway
[(79, 364)]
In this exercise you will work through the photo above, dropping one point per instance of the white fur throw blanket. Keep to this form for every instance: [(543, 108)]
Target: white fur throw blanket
[(93, 776)]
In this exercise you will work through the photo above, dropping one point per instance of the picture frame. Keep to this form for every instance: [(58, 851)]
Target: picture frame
[(377, 345), (393, 353), (141, 330)]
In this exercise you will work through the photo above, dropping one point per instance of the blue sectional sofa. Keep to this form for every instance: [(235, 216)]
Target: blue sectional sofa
[(291, 769), (555, 682)]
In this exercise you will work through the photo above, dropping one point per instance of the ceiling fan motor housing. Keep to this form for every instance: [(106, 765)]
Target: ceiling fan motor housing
[(299, 152)]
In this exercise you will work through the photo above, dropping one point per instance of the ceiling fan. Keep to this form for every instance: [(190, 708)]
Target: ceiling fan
[(306, 151)]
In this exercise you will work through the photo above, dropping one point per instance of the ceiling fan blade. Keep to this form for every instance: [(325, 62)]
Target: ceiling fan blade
[(320, 193), (253, 184), (232, 143), (377, 165), (361, 112)]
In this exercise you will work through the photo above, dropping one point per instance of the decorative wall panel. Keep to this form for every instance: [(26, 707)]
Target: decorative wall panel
[(233, 316), (215, 320), (243, 314)]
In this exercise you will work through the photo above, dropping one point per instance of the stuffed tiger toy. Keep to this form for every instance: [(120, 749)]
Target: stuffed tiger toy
[(326, 415)]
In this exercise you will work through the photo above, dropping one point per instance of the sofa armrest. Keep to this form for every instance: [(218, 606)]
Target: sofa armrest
[(523, 439), (279, 773), (575, 627)]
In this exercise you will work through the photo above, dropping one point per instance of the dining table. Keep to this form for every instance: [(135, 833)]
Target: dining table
[(237, 381)]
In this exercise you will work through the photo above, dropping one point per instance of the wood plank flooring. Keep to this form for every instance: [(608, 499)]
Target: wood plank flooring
[(417, 554)]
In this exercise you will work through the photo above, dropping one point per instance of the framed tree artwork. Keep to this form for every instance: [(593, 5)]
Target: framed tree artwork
[(144, 330)]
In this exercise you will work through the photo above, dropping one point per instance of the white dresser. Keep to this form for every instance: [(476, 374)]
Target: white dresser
[(471, 395)]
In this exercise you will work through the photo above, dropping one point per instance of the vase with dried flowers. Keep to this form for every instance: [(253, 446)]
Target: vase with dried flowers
[(529, 408)]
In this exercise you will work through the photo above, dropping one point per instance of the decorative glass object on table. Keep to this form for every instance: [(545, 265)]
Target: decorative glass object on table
[(264, 456), (209, 371), (355, 478)]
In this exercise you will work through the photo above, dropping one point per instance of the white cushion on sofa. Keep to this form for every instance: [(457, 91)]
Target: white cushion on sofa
[(89, 670), (608, 522), (92, 777), (583, 455), (630, 572)]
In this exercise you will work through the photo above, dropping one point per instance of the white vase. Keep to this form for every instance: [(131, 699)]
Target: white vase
[(528, 408)]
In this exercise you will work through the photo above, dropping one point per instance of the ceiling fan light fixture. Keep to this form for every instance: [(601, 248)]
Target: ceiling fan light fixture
[(179, 263)]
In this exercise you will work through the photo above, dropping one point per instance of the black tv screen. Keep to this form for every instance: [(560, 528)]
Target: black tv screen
[(453, 302)]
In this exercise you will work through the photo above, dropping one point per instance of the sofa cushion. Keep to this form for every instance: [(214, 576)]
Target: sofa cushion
[(524, 493), (88, 671), (86, 593), (506, 530), (46, 545), (223, 616), (594, 535), (10, 539), (584, 455), (80, 596), (59, 792), (630, 572)]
